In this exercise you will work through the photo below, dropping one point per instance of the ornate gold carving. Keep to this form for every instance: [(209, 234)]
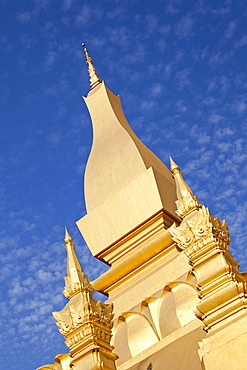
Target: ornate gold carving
[(64, 321), (74, 315), (71, 288), (199, 229)]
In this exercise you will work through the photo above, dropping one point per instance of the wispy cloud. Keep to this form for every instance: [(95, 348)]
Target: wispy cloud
[(222, 10), (151, 23), (87, 15), (67, 5), (24, 17), (241, 42), (50, 59), (184, 28), (229, 32), (183, 78)]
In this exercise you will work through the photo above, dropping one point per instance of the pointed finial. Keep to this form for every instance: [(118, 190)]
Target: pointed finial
[(67, 238), (187, 201), (173, 165), (94, 78), (75, 281)]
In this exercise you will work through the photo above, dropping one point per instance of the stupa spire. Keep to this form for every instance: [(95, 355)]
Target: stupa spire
[(94, 77), (187, 201)]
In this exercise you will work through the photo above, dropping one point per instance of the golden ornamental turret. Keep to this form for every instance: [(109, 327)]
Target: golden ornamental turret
[(84, 322), (204, 239)]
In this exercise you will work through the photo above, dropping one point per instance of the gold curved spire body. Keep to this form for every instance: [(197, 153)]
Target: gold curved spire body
[(94, 77)]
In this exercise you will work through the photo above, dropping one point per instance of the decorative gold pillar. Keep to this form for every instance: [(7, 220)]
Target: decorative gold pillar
[(85, 322), (205, 241)]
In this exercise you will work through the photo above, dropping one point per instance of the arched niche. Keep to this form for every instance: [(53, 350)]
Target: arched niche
[(140, 333), (186, 300), (176, 307), (150, 308), (120, 341), (168, 320), (133, 334)]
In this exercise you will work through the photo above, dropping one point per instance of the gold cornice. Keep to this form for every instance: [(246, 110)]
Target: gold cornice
[(161, 219), (135, 259)]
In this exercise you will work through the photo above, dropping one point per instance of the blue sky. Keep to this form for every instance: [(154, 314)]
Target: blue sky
[(180, 68)]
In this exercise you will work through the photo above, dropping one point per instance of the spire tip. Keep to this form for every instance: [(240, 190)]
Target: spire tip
[(67, 237), (94, 77), (173, 165)]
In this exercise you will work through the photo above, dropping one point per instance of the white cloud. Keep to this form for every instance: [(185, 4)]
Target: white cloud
[(223, 10), (182, 78), (151, 23), (120, 35), (49, 29), (229, 32), (165, 29), (241, 42), (184, 27), (171, 9), (23, 17), (147, 104), (218, 58), (117, 13), (156, 89), (215, 118), (50, 59), (180, 106), (241, 106), (203, 139), (67, 5), (87, 15)]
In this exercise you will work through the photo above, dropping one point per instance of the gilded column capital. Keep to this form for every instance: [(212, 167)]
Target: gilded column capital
[(198, 230)]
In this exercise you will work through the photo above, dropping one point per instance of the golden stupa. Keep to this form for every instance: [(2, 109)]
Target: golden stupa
[(176, 300)]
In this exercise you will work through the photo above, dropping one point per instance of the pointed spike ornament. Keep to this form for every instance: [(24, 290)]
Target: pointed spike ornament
[(187, 201), (67, 237), (94, 77), (76, 281)]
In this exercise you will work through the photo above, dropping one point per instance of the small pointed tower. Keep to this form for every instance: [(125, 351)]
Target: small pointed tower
[(186, 201), (85, 322)]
